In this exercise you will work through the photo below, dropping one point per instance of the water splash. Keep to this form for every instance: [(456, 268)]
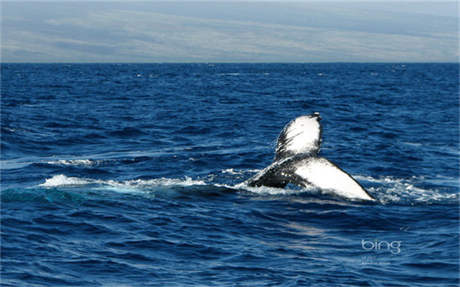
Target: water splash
[(388, 189)]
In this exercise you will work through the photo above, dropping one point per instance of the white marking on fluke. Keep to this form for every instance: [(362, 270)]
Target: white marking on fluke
[(328, 177), (297, 162), (300, 136)]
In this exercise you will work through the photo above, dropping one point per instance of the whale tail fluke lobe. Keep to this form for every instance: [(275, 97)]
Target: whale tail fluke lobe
[(297, 162), (300, 136)]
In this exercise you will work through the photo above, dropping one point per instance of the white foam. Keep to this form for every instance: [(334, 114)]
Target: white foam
[(61, 180), (239, 172), (74, 162), (391, 189), (269, 190), (229, 171)]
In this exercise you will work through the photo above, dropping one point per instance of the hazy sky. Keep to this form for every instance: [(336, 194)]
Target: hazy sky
[(229, 31)]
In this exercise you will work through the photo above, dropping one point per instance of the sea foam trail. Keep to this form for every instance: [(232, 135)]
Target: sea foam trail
[(63, 180), (271, 190)]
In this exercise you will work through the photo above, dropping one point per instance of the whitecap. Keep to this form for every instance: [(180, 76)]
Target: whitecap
[(62, 180)]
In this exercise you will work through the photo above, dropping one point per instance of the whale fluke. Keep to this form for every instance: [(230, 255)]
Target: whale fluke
[(300, 136), (297, 162)]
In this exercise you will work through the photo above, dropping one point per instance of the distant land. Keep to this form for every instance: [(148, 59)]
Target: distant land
[(133, 32)]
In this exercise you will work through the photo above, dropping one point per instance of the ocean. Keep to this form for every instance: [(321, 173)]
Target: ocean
[(133, 175)]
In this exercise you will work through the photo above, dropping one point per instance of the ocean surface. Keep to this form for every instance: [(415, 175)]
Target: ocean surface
[(133, 175)]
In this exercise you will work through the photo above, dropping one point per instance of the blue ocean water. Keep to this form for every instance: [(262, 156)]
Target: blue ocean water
[(130, 175)]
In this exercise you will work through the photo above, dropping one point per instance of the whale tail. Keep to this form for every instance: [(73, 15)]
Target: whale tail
[(297, 162)]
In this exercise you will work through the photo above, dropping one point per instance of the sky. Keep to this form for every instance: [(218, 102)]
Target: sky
[(229, 31)]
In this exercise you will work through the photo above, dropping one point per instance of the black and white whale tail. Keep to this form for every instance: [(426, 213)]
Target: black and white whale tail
[(297, 162)]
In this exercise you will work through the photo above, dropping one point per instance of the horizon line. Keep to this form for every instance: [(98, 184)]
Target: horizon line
[(274, 62)]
